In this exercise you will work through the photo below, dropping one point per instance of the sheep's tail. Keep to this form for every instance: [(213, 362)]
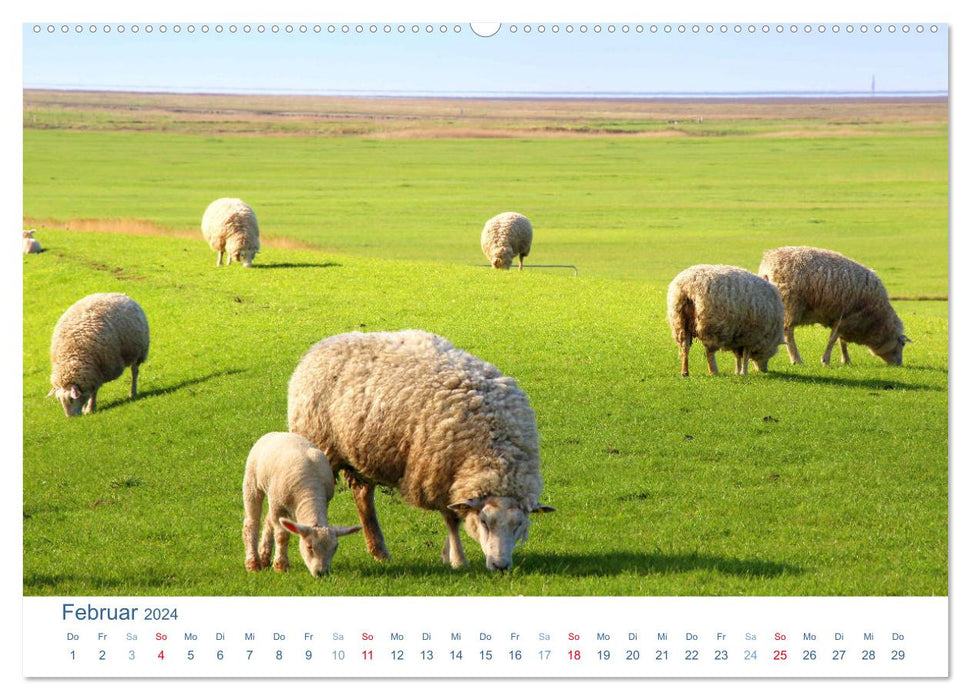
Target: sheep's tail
[(681, 316)]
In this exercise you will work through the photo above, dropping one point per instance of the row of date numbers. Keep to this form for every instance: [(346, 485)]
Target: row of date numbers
[(660, 655)]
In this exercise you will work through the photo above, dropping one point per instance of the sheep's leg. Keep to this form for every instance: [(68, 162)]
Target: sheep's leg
[(281, 558), (829, 345), (134, 381), (266, 542), (746, 356), (90, 405), (373, 538), (452, 552), (253, 506), (738, 361), (520, 263), (789, 336), (712, 362), (251, 532), (685, 346), (844, 351)]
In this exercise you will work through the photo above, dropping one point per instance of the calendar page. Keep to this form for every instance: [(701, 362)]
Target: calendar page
[(438, 349)]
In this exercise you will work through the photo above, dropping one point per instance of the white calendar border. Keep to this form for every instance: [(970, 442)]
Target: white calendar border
[(507, 10)]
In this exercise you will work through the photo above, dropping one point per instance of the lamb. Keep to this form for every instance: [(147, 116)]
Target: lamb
[(296, 479), (725, 307), (229, 226), (822, 286), (504, 237), (31, 244), (93, 342), (449, 431)]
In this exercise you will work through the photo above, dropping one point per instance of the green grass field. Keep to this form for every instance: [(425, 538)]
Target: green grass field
[(804, 481)]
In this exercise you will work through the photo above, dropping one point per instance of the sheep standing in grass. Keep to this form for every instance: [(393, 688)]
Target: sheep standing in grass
[(93, 342), (296, 479), (446, 429), (725, 307), (504, 237), (31, 244), (229, 226), (821, 286)]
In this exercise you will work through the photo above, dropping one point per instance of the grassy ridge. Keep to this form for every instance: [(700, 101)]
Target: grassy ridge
[(806, 481), (638, 209)]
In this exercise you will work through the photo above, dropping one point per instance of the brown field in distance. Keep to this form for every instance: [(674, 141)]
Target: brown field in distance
[(294, 115)]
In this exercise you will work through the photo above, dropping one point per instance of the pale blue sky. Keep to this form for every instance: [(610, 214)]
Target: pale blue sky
[(462, 63)]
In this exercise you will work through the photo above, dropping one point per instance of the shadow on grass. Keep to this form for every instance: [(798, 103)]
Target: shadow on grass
[(643, 563), (42, 584), (873, 384), (284, 265), (162, 391), (599, 564)]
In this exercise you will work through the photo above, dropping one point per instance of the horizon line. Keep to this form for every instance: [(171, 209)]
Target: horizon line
[(494, 94)]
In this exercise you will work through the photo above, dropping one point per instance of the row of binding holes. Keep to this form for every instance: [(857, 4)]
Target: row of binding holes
[(513, 29)]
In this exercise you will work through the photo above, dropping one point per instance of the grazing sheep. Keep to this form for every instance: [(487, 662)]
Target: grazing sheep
[(446, 429), (297, 482), (31, 244), (821, 286), (725, 307), (229, 225), (93, 342), (504, 237)]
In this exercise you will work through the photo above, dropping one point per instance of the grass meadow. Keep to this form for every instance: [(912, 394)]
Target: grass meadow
[(803, 481)]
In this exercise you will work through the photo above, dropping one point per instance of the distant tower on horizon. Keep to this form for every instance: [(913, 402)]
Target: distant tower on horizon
[(873, 84)]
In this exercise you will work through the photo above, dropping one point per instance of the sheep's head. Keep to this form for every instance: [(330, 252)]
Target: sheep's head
[(29, 233), (503, 260), (317, 544), (73, 399), (244, 256), (497, 523), (892, 352), (762, 356)]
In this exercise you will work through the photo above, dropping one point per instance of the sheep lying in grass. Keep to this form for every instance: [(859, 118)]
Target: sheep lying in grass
[(93, 342), (725, 307), (446, 429), (821, 286), (31, 244), (297, 482), (229, 226), (504, 237)]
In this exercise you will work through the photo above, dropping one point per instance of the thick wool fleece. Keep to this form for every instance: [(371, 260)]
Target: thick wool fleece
[(96, 339), (409, 410), (822, 286), (230, 225), (505, 237), (725, 308)]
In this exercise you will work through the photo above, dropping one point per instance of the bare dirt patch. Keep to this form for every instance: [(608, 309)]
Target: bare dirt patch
[(141, 227)]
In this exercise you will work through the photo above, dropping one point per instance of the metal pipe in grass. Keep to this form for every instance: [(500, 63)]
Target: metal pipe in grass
[(572, 267)]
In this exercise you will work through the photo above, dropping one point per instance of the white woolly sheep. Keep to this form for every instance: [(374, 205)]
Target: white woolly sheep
[(446, 429), (229, 225), (31, 244), (728, 308), (822, 286), (93, 342), (297, 482), (504, 237)]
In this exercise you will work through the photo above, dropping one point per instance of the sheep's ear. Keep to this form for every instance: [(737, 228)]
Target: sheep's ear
[(463, 507), (295, 528), (52, 391), (75, 392), (904, 339), (341, 531), (540, 508)]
